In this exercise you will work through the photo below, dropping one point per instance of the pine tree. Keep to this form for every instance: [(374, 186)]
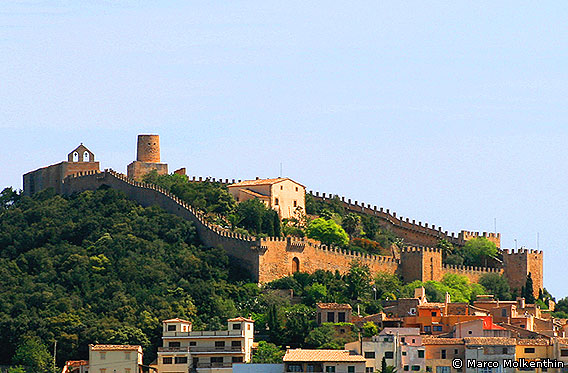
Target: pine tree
[(384, 365)]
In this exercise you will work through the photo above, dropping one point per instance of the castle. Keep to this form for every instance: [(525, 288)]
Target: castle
[(271, 258)]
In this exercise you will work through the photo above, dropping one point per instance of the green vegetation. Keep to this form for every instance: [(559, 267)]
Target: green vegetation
[(251, 217), (497, 285), (267, 353), (96, 267), (476, 252), (327, 231)]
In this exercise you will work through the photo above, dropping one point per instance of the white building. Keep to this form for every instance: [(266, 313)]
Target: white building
[(115, 359)]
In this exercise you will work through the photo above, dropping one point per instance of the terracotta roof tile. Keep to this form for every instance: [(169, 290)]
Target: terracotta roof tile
[(240, 318), (442, 341), (114, 348), (490, 341), (533, 342), (176, 320), (261, 182), (333, 306), (299, 354), (254, 194)]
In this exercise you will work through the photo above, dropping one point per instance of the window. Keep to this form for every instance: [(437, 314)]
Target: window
[(193, 343), (416, 368), (505, 351), (126, 355), (428, 369), (350, 369), (456, 351), (442, 369), (369, 370), (181, 360), (294, 368), (296, 189), (341, 317), (86, 157), (529, 350), (237, 359), (437, 328), (403, 353), (219, 344), (103, 355), (504, 312), (236, 344), (166, 360), (295, 203), (434, 313), (276, 201), (75, 157), (403, 339), (421, 354), (369, 354), (216, 359), (469, 332), (563, 352), (171, 328), (236, 326), (330, 369), (281, 187), (248, 326), (319, 317), (443, 354), (406, 368), (413, 340), (427, 329), (330, 317), (174, 344), (389, 354)]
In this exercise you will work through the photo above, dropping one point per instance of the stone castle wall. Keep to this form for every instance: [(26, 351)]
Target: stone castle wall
[(271, 258)]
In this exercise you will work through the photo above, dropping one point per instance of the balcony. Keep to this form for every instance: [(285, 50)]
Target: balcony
[(207, 334), (203, 349)]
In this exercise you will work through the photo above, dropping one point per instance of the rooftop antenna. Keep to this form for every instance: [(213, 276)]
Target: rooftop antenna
[(537, 240), (280, 169), (495, 225), (515, 244)]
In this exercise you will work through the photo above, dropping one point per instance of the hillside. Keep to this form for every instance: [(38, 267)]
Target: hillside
[(97, 267)]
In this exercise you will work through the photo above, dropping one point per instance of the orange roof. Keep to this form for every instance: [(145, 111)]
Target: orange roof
[(262, 182), (333, 306), (76, 363), (299, 354), (490, 341), (489, 325), (115, 348), (533, 342), (240, 318), (176, 320)]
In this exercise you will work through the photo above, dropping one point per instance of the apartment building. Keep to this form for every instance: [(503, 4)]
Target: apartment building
[(115, 359), (331, 361), (185, 350)]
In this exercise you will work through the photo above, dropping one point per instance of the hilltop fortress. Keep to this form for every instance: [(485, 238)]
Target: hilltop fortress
[(271, 258)]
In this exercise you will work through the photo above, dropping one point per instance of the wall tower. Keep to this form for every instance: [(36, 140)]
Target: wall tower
[(147, 158), (517, 265), (421, 263)]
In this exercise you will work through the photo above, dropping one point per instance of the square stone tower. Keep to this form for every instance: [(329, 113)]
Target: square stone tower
[(147, 158)]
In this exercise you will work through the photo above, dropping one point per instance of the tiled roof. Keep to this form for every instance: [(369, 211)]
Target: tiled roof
[(115, 348), (490, 341), (561, 340), (176, 320), (262, 182), (333, 306), (240, 318), (300, 355), (400, 331), (442, 341), (533, 342)]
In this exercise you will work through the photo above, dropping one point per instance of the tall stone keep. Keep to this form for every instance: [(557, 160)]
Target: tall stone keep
[(147, 158)]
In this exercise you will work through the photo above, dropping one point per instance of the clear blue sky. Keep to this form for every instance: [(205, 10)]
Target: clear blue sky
[(452, 113)]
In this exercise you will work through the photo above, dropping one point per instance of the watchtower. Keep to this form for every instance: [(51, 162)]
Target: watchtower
[(517, 264), (147, 158), (421, 263)]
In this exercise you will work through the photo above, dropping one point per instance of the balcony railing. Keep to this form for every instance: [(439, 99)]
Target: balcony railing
[(211, 349), (206, 333)]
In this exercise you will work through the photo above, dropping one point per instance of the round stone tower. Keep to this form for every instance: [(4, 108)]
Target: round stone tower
[(148, 149)]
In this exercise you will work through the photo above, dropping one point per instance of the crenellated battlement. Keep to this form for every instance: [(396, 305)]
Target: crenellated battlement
[(414, 232), (270, 258)]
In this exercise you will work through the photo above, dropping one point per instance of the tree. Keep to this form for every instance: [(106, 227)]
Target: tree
[(477, 250), (497, 285), (33, 353), (370, 329), (352, 224), (16, 369), (358, 280), (299, 322), (529, 290), (327, 231), (316, 293), (274, 321), (387, 286), (267, 353)]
